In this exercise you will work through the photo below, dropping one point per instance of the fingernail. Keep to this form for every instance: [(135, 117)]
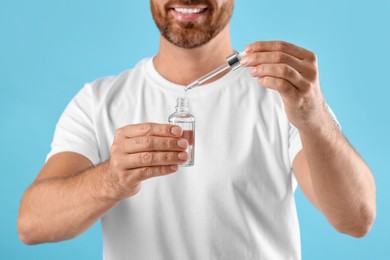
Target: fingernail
[(244, 61), (182, 156), (253, 71), (248, 49), (176, 130), (174, 167), (182, 143)]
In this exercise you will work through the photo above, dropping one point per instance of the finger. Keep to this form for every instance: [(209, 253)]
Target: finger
[(146, 159), (153, 143), (285, 88), (281, 71), (257, 58), (281, 46), (149, 129), (141, 174)]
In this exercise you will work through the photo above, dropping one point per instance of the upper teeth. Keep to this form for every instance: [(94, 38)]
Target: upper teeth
[(188, 10)]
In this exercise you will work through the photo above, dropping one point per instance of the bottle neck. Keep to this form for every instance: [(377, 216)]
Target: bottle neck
[(182, 109), (182, 105)]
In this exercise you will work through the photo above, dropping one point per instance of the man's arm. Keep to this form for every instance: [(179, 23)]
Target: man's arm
[(336, 180), (329, 171), (69, 194), (67, 198)]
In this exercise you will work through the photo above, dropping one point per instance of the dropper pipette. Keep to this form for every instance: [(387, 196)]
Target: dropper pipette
[(233, 63)]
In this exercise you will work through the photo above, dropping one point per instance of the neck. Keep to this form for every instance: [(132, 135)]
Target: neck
[(183, 66)]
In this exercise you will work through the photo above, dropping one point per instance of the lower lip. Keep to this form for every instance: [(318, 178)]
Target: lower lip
[(187, 17)]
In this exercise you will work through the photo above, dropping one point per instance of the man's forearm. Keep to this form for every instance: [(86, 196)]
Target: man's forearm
[(62, 204), (343, 184), (60, 208)]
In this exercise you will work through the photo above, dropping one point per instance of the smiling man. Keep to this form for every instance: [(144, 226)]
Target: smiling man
[(258, 130)]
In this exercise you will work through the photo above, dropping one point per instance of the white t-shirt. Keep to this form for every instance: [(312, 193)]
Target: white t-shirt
[(236, 202)]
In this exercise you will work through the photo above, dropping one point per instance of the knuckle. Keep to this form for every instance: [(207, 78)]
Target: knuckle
[(280, 45), (313, 73), (147, 142), (280, 85), (279, 57), (170, 157), (118, 133), (138, 175), (312, 57), (277, 45), (310, 73), (173, 143), (256, 57), (305, 86), (260, 69), (167, 130), (138, 141), (262, 81), (163, 170), (160, 170), (145, 128), (169, 144), (161, 129), (166, 170), (144, 173), (144, 142), (285, 70), (266, 81), (115, 147), (164, 144), (146, 158), (115, 164), (285, 88)]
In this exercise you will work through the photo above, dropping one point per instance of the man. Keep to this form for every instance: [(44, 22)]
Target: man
[(255, 128)]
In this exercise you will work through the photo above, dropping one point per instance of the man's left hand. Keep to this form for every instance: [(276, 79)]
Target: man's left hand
[(293, 72)]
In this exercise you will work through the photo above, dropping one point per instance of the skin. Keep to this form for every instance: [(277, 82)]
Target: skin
[(329, 171), (70, 194)]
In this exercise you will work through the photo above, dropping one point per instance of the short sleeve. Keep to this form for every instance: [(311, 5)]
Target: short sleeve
[(75, 130), (295, 145), (294, 141)]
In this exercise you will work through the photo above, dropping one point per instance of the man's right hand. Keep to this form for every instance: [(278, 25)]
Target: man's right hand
[(69, 195), (143, 151)]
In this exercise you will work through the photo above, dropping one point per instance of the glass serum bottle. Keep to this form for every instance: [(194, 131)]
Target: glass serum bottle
[(183, 118)]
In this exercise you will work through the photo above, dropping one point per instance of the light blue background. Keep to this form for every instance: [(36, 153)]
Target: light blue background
[(49, 49)]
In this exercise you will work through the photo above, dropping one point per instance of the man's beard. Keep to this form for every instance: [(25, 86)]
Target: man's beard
[(192, 34)]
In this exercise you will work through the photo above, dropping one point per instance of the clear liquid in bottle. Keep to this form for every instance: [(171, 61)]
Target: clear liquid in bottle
[(183, 118)]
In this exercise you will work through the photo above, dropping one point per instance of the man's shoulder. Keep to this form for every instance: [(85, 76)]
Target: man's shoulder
[(107, 84)]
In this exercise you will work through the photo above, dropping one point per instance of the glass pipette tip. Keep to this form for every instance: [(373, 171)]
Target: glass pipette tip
[(233, 63)]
